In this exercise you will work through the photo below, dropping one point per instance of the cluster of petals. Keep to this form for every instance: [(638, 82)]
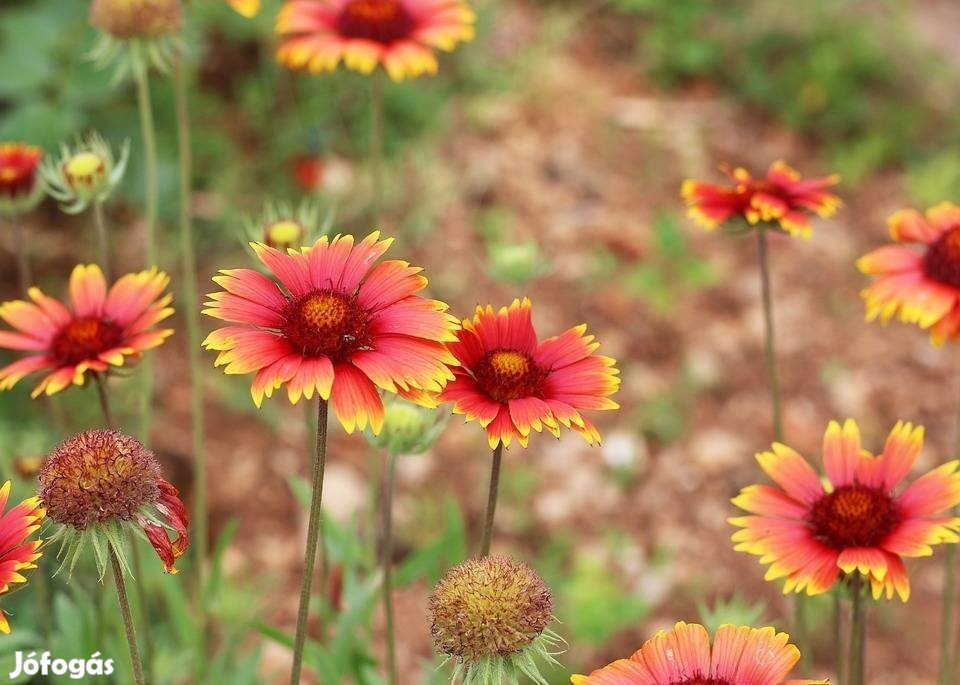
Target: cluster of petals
[(512, 383), (173, 515), (857, 519), (18, 552), (782, 198), (97, 329), (684, 656)]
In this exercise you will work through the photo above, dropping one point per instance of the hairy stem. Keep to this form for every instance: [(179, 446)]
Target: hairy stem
[(127, 618), (491, 500), (838, 634), (386, 559), (769, 342), (857, 632)]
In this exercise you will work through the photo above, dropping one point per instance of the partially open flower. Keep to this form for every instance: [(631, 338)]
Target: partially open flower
[(128, 19), (18, 552), (86, 173), (408, 428), (287, 227), (491, 614), (20, 190), (246, 8), (98, 483)]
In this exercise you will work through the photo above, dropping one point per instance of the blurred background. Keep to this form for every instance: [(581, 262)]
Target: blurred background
[(545, 159)]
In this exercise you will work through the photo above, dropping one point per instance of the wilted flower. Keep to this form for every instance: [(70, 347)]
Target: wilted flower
[(808, 532), (491, 614), (408, 428), (286, 227), (87, 173), (683, 656), (512, 383), (97, 330), (341, 327), (129, 19), (20, 189), (98, 485), (398, 34), (17, 552), (781, 198), (246, 8), (918, 286)]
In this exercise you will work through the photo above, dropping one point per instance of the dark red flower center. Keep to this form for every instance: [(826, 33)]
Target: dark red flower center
[(942, 261), (853, 516), (85, 338), (326, 323), (509, 375), (382, 21)]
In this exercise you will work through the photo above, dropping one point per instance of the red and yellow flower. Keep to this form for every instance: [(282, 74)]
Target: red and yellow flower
[(17, 552), (684, 656), (782, 197), (512, 383), (339, 324), (246, 8), (97, 329), (858, 520), (400, 35), (918, 286), (20, 187)]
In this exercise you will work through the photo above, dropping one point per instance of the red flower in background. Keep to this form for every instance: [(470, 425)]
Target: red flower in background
[(20, 189), (17, 552)]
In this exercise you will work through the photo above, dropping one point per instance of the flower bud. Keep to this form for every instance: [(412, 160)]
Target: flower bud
[(20, 189), (284, 234), (84, 174), (407, 428), (128, 19)]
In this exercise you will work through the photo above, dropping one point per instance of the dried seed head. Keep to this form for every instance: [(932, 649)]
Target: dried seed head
[(126, 19), (491, 606), (98, 476)]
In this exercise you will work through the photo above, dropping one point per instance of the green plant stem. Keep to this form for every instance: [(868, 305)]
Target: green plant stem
[(857, 632), (386, 559), (127, 618), (103, 240), (313, 535), (24, 273), (838, 634), (376, 145), (947, 620), (104, 400), (491, 500), (769, 343)]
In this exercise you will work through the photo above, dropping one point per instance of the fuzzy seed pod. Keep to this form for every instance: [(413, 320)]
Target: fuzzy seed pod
[(127, 19)]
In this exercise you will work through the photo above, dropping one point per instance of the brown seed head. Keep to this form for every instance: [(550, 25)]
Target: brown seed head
[(127, 19), (488, 606), (98, 476)]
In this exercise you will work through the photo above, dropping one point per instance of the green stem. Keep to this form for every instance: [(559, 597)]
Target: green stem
[(103, 239), (769, 343), (946, 623), (838, 634), (104, 400), (376, 144), (491, 500), (313, 535), (24, 273), (127, 619), (857, 632), (386, 559)]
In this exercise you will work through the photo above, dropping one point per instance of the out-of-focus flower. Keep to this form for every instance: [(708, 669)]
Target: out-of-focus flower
[(18, 553), (328, 175), (512, 384), (491, 614), (99, 484), (683, 656), (84, 174), (285, 227), (342, 326), (517, 263), (246, 8), (128, 19), (781, 198), (27, 467), (808, 534), (97, 330), (20, 189), (408, 428), (400, 35), (918, 286)]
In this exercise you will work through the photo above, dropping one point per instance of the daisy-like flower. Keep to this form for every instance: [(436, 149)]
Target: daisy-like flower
[(400, 35), (513, 384), (781, 198), (18, 553), (810, 530), (339, 325), (246, 8), (683, 656), (86, 173), (919, 286), (285, 226), (97, 329), (100, 483), (20, 188)]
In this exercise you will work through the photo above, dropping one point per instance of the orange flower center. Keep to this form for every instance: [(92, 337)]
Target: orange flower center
[(325, 323), (85, 338), (942, 261), (382, 21), (509, 375), (853, 516)]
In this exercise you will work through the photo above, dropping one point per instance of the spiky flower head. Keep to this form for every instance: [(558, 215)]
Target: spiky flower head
[(19, 188), (287, 227), (85, 173), (100, 483), (129, 19), (408, 428), (491, 614)]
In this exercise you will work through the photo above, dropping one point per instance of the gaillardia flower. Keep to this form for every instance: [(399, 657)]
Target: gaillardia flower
[(401, 35), (286, 227), (96, 330), (491, 614), (512, 383), (20, 189), (809, 530), (683, 656), (246, 8), (340, 326), (18, 552), (99, 484), (86, 173), (781, 198), (918, 286)]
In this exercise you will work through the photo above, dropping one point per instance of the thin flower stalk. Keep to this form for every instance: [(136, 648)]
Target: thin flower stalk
[(103, 239), (128, 626), (857, 631), (386, 560), (376, 145), (491, 500)]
